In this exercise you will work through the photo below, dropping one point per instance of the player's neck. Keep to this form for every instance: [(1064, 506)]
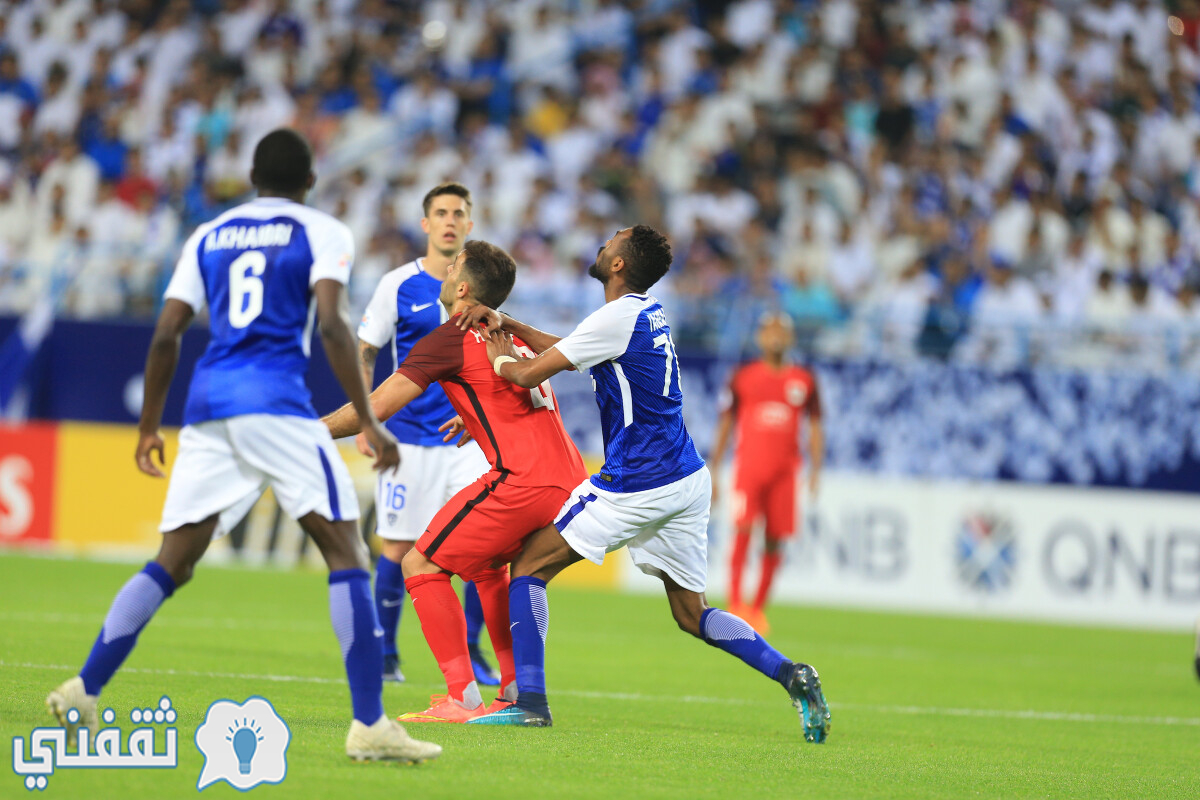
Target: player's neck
[(295, 197), (616, 289), (775, 362), (435, 263), (460, 305)]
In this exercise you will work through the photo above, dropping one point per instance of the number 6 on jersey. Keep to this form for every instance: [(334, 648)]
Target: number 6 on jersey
[(246, 288)]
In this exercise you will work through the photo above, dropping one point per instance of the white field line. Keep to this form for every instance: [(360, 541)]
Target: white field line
[(937, 711)]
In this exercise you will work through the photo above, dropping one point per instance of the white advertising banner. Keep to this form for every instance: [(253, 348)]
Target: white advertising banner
[(1057, 553)]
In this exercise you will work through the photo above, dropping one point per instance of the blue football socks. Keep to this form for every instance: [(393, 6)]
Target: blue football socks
[(474, 612), (529, 618), (131, 609), (358, 633), (389, 600), (733, 635)]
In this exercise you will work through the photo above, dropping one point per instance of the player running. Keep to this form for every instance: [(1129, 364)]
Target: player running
[(534, 467), (653, 492), (766, 401), (259, 268), (403, 309)]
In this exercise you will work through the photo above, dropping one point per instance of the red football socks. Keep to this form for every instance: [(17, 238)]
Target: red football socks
[(493, 596), (737, 565), (770, 564), (445, 628)]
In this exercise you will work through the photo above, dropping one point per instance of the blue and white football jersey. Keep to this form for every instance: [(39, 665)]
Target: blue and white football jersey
[(254, 267), (627, 347), (404, 308)]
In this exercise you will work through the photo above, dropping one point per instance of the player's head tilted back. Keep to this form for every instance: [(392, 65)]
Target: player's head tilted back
[(776, 335), (482, 273), (636, 256), (447, 219), (283, 165)]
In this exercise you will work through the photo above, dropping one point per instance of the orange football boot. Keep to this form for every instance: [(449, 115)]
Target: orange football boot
[(444, 708)]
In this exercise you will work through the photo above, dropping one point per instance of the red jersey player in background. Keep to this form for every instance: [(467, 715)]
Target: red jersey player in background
[(765, 403), (534, 469)]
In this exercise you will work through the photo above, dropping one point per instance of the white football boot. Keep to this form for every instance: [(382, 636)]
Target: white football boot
[(71, 695), (387, 740)]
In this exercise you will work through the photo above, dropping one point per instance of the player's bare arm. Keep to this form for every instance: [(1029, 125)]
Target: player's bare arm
[(524, 372), (161, 361), (538, 341), (367, 355), (717, 457), (816, 454), (391, 396), (338, 339)]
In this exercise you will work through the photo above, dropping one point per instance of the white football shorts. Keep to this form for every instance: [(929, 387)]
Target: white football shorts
[(665, 529), (407, 499), (224, 466)]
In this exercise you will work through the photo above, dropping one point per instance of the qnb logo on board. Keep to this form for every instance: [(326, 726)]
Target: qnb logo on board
[(986, 552)]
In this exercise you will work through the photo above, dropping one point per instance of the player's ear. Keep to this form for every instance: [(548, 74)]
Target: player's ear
[(470, 225), (425, 224), (312, 180)]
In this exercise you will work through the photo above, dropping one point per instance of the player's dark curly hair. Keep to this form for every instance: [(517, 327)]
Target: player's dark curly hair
[(647, 255), (492, 272), (282, 162)]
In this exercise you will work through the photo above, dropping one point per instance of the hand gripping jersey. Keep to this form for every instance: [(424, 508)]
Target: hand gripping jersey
[(768, 405), (518, 429), (254, 267), (627, 347), (403, 310)]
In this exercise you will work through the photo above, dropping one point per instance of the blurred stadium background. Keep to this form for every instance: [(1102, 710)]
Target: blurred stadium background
[(984, 218)]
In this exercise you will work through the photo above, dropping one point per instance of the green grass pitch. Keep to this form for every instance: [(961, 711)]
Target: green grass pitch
[(922, 706)]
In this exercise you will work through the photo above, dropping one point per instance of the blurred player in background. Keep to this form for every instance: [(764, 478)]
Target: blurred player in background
[(404, 309), (764, 405), (652, 495), (260, 269), (534, 467)]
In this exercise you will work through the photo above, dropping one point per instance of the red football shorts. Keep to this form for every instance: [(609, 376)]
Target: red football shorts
[(487, 522), (769, 496)]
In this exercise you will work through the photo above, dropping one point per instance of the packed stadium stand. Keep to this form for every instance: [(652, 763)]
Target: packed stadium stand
[(994, 182)]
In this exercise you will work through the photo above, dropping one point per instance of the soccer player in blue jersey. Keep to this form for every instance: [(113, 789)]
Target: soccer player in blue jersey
[(404, 308), (652, 494), (264, 270)]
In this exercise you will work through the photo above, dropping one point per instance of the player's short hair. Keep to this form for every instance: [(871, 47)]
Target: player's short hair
[(450, 187), (776, 318), (282, 162), (492, 272), (647, 255)]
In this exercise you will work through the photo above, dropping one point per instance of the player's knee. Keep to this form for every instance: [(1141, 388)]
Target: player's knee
[(415, 563)]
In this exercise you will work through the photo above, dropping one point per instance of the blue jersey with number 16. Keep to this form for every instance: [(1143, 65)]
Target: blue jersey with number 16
[(254, 268)]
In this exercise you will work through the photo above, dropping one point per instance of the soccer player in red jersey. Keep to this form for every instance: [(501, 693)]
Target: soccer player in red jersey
[(765, 404), (534, 468)]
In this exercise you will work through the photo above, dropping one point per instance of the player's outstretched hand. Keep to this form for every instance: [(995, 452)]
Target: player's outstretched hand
[(454, 427), (151, 443), (499, 344), (384, 447), (481, 313), (364, 446)]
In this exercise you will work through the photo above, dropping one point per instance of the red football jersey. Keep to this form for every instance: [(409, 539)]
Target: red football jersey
[(767, 406), (520, 430)]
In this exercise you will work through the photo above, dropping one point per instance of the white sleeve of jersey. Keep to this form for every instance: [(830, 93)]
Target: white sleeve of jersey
[(186, 283), (603, 336), (333, 251), (379, 321)]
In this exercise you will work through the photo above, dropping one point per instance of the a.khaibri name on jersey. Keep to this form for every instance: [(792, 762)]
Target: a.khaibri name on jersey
[(242, 237)]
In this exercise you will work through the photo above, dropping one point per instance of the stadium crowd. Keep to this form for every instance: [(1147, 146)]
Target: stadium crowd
[(936, 167)]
